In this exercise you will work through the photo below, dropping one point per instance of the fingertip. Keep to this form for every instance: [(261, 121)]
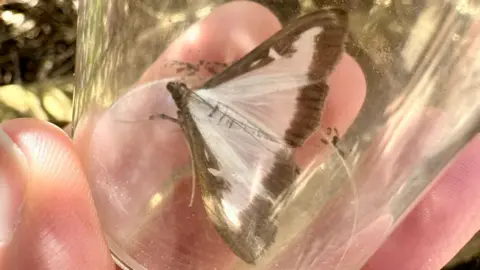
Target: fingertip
[(13, 181), (58, 224), (348, 90), (48, 149), (219, 37), (208, 39)]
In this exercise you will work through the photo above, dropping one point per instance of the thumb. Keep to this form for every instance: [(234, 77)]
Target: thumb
[(57, 226)]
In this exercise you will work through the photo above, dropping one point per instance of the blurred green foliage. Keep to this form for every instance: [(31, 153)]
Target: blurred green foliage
[(37, 59)]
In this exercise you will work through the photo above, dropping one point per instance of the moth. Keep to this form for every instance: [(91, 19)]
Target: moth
[(244, 124)]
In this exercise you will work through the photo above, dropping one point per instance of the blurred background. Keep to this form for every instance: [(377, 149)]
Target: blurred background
[(37, 63)]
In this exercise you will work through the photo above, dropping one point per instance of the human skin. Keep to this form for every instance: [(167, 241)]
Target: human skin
[(58, 226)]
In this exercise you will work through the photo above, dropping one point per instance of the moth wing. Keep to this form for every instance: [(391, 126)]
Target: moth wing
[(243, 174), (281, 85), (244, 155), (252, 115)]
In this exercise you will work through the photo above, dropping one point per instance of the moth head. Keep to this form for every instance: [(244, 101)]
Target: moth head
[(178, 89), (180, 92)]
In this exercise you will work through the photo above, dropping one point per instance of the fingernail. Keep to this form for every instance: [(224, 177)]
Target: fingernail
[(13, 179)]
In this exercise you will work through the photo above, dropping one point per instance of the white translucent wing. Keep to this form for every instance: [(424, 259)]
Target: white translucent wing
[(267, 95), (252, 116), (243, 153)]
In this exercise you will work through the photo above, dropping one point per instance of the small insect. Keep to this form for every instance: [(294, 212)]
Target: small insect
[(244, 125)]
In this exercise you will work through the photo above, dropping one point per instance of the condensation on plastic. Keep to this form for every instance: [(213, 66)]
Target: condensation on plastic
[(422, 67)]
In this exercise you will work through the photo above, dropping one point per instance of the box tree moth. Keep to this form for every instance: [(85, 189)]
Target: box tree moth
[(244, 124)]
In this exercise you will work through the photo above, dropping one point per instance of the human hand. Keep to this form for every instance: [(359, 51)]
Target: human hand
[(58, 227)]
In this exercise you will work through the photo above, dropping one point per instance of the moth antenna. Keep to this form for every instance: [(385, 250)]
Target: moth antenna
[(152, 116), (192, 169), (194, 183), (354, 191), (133, 121)]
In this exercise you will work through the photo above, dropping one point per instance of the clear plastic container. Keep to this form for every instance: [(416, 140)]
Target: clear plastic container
[(422, 105)]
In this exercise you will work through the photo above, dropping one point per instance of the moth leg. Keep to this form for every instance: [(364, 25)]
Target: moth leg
[(298, 170), (164, 117), (329, 131), (335, 138), (334, 141)]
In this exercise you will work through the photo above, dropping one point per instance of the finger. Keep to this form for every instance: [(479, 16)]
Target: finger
[(442, 223), (13, 181), (58, 228), (220, 37)]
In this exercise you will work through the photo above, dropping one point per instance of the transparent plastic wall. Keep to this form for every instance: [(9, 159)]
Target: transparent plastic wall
[(421, 65)]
